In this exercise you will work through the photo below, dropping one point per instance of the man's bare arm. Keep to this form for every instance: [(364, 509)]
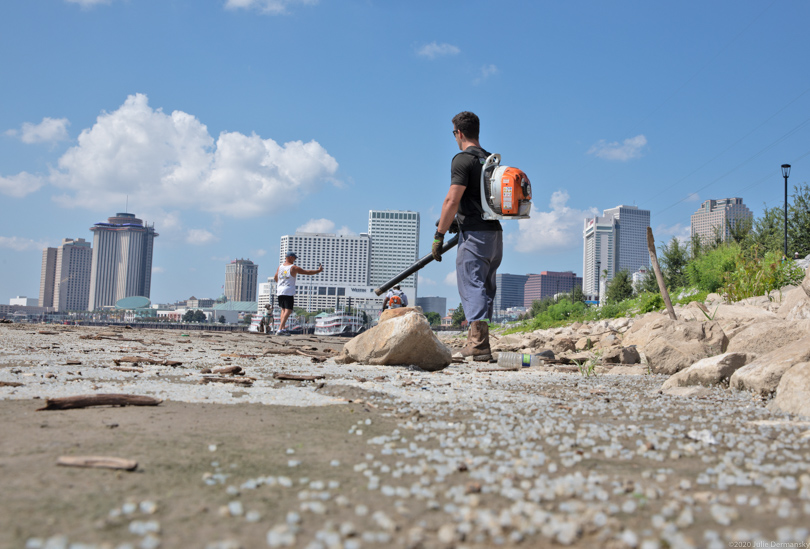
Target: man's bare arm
[(450, 207), (298, 270)]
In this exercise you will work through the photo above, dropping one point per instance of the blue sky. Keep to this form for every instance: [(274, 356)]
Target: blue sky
[(228, 123)]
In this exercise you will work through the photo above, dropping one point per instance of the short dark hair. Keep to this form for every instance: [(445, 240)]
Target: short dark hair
[(468, 123)]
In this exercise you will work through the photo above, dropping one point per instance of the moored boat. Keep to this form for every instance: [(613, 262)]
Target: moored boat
[(338, 324)]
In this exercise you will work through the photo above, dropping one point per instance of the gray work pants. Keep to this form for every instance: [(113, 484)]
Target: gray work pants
[(479, 255)]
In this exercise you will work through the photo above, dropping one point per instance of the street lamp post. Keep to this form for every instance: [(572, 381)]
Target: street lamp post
[(786, 174)]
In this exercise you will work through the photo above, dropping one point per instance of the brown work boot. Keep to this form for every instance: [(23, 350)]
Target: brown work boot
[(477, 345)]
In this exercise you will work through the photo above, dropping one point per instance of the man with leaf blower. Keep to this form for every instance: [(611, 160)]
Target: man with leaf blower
[(480, 246)]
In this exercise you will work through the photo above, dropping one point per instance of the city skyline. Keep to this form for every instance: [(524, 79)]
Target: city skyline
[(225, 148)]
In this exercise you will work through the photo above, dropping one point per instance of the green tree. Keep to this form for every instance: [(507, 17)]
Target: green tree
[(649, 284), (188, 316), (222, 319), (577, 295), (620, 288), (433, 318), (674, 257), (199, 316), (458, 316), (799, 221), (767, 234)]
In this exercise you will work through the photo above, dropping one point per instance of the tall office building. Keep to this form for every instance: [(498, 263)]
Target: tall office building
[(122, 260), (72, 278), (432, 304), (613, 242), (241, 280), (345, 260), (548, 284), (509, 292), (47, 277), (394, 246), (715, 218)]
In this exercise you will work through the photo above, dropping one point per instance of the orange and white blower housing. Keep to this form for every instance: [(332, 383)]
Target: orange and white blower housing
[(506, 192)]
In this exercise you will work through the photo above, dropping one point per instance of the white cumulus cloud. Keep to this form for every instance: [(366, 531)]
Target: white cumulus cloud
[(19, 244), (485, 72), (20, 185), (89, 3), (199, 237), (171, 161), (324, 226), (434, 50), (50, 130), (451, 279), (553, 230), (626, 150), (425, 281), (663, 233), (273, 7)]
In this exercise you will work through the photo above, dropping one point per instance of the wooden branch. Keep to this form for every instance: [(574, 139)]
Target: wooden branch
[(235, 380), (233, 370), (127, 369), (10, 384), (234, 355), (85, 401), (295, 377), (658, 276), (98, 462)]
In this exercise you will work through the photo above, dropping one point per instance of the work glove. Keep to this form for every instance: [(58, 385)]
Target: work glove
[(438, 242)]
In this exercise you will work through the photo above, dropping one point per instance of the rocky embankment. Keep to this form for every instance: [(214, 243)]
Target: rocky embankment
[(759, 345)]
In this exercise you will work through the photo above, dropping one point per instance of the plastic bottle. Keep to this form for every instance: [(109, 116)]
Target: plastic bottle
[(517, 360)]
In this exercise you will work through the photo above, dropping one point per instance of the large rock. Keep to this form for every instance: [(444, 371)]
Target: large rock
[(795, 304), (709, 371), (764, 337), (402, 337), (762, 376), (621, 355), (793, 391), (672, 345)]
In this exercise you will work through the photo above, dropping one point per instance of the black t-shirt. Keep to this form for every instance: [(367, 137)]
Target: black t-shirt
[(466, 171)]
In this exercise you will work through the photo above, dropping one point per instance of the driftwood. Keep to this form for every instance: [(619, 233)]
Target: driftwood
[(233, 370), (235, 380), (127, 369), (658, 276), (234, 355), (295, 377), (10, 384), (282, 351), (146, 360), (85, 401), (99, 462)]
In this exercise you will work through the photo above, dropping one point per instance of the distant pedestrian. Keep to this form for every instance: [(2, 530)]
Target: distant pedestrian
[(285, 280), (796, 255), (395, 298)]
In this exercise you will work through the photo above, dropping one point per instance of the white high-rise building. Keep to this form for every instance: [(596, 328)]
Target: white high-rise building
[(345, 260), (715, 218), (122, 260), (394, 246), (613, 242)]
